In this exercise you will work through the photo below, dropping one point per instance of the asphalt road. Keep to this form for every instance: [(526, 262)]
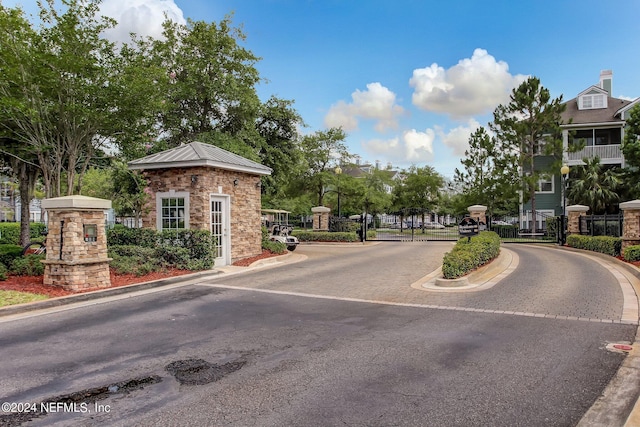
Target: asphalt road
[(328, 341)]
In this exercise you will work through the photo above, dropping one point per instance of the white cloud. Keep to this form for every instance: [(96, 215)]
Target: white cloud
[(412, 147), (143, 17), (458, 138), (474, 85), (627, 98), (376, 103)]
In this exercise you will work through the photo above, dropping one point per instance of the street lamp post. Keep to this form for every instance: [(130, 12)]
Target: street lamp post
[(338, 171), (564, 171)]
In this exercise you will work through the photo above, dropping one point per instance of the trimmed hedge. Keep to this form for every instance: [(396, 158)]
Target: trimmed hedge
[(603, 244), (120, 235), (467, 255), (10, 232), (8, 253), (632, 253), (328, 236), (184, 249)]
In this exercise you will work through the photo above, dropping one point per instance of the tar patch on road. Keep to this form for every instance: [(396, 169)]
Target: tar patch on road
[(74, 402), (199, 372)]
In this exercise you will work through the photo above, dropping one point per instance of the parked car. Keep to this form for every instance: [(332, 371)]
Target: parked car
[(433, 225)]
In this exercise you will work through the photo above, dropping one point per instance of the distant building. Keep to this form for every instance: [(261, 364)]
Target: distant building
[(594, 118)]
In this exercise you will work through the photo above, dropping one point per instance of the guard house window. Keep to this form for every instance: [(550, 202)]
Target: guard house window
[(90, 232), (172, 210)]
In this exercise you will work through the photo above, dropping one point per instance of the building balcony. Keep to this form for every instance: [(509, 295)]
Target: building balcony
[(608, 154)]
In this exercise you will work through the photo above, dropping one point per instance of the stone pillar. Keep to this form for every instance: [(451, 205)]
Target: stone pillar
[(76, 243), (320, 218), (630, 223), (574, 212), (478, 212)]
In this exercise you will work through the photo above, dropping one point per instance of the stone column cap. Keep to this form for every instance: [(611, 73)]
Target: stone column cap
[(477, 208), (632, 204), (320, 209), (577, 208), (76, 202)]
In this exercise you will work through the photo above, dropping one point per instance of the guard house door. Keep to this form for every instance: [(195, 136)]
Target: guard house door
[(220, 229)]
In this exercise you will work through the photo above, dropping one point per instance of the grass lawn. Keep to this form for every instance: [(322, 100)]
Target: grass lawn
[(15, 297)]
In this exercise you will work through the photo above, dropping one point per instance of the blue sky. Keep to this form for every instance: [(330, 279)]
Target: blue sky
[(409, 80)]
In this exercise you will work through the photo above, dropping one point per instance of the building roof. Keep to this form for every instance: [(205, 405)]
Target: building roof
[(596, 115), (199, 154)]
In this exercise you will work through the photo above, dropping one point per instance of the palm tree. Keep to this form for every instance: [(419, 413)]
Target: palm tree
[(594, 186)]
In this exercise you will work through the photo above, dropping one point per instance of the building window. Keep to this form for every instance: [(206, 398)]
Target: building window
[(598, 101), (545, 185), (588, 102), (172, 210)]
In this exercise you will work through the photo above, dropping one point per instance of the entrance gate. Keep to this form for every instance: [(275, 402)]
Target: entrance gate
[(413, 225)]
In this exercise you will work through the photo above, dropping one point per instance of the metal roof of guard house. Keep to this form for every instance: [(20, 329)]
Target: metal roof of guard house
[(199, 154)]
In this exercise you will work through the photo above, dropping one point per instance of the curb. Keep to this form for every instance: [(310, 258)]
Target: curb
[(120, 290), (619, 404), (482, 278), (101, 293)]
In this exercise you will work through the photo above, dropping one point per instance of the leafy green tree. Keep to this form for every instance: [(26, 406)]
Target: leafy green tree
[(487, 178), (212, 80), (277, 124), (130, 195), (53, 95), (419, 190), (320, 152), (370, 192), (593, 186), (631, 143), (98, 183), (630, 175), (529, 126)]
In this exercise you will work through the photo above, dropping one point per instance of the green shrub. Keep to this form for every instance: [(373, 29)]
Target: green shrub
[(184, 249), (632, 253), (10, 232), (603, 244), (468, 255), (132, 251), (120, 235), (325, 236), (3, 272), (137, 265), (28, 265), (9, 252), (175, 256), (200, 244), (275, 247)]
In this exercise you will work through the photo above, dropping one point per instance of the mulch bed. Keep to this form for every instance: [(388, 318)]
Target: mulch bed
[(35, 285), (245, 262)]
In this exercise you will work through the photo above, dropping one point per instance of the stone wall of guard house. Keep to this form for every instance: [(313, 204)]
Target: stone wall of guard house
[(201, 183)]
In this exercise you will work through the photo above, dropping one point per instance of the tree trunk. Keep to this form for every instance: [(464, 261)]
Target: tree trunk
[(26, 178)]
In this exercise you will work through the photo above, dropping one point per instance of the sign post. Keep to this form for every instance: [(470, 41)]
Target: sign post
[(468, 227)]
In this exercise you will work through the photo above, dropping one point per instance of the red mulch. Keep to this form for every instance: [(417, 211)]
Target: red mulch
[(34, 284), (245, 262), (636, 263)]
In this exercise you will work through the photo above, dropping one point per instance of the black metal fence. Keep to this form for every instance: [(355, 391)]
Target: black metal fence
[(601, 225)]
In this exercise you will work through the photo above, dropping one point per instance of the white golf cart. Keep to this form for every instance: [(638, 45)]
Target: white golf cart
[(277, 222)]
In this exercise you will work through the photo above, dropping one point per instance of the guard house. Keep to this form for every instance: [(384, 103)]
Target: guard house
[(201, 186)]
